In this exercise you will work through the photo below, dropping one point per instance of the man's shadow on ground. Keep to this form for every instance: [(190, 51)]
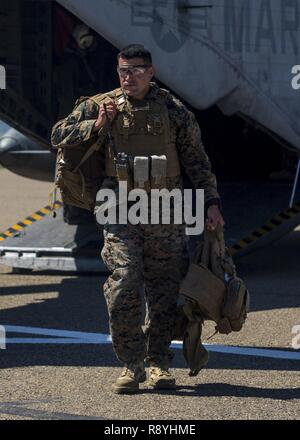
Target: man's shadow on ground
[(228, 390)]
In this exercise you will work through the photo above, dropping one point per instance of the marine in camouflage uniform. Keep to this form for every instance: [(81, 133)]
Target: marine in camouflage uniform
[(153, 255)]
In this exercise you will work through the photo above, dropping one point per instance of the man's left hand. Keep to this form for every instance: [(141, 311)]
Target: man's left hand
[(214, 218)]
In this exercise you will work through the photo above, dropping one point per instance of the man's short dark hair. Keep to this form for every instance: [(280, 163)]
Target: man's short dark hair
[(136, 51)]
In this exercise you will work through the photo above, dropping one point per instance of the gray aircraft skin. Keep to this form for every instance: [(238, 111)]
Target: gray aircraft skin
[(241, 55), (24, 157)]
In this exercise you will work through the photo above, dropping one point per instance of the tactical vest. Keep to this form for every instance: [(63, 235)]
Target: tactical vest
[(138, 131), (142, 128)]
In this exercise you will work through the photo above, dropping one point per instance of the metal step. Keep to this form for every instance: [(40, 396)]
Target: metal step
[(51, 244)]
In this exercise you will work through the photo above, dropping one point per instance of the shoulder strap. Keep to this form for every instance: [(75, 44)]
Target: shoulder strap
[(80, 100), (89, 152), (101, 97), (116, 94), (163, 95), (98, 99)]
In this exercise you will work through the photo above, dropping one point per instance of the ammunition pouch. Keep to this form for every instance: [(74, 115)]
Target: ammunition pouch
[(123, 165), (158, 173), (149, 172), (141, 167)]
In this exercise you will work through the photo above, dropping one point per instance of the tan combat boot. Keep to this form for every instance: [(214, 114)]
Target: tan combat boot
[(130, 378), (160, 378)]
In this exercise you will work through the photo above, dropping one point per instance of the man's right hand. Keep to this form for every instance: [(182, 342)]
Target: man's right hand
[(111, 110)]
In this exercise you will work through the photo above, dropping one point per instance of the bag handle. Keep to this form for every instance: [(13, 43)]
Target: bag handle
[(219, 233)]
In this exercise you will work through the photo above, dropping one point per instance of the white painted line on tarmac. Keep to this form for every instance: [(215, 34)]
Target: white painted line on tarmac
[(54, 332), (54, 341), (248, 351), (76, 337)]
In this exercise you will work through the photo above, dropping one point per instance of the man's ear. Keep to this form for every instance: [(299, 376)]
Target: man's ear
[(152, 70)]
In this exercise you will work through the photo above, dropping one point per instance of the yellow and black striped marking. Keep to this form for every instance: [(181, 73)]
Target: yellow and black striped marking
[(242, 244), (266, 228), (38, 215)]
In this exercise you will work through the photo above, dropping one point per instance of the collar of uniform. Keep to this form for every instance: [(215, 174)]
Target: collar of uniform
[(153, 91)]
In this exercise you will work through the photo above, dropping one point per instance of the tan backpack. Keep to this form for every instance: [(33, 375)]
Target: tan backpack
[(79, 170)]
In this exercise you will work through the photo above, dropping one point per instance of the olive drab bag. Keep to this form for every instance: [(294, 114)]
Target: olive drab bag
[(212, 287), (79, 172)]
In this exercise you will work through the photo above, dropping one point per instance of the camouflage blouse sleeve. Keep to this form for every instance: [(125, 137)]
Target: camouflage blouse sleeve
[(76, 128), (193, 157)]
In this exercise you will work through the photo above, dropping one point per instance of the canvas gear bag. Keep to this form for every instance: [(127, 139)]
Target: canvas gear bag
[(211, 290), (78, 173), (78, 185), (213, 286)]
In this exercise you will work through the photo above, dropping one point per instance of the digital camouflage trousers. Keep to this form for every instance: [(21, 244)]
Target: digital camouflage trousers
[(154, 257)]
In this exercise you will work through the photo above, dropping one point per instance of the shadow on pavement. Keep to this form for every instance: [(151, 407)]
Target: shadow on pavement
[(80, 306), (92, 355), (227, 390)]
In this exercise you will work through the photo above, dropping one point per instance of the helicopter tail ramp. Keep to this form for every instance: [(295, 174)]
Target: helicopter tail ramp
[(41, 242)]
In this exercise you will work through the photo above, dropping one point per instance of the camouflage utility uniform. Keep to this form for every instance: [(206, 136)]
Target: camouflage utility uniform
[(155, 255)]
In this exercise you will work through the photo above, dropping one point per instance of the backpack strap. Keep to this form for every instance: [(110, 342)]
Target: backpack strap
[(99, 99), (115, 95), (89, 152)]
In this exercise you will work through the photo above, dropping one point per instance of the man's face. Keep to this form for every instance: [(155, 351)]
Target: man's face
[(135, 81)]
